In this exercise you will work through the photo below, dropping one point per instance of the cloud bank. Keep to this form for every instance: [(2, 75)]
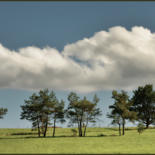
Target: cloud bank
[(114, 59)]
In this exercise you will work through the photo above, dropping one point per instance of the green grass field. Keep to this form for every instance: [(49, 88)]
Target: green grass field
[(26, 141)]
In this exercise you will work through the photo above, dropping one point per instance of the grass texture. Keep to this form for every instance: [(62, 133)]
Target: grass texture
[(97, 140)]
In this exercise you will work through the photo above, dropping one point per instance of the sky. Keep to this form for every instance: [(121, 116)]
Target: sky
[(85, 47)]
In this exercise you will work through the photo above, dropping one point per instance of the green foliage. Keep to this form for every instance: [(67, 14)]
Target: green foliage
[(3, 111), (144, 104), (82, 111), (140, 128)]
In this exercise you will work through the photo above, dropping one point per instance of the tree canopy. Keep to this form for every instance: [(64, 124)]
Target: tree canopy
[(144, 104)]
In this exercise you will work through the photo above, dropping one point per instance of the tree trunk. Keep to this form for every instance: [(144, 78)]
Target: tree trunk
[(119, 129), (85, 128), (81, 125), (147, 124), (80, 129), (54, 127), (123, 127), (85, 131), (78, 125), (38, 129), (45, 128)]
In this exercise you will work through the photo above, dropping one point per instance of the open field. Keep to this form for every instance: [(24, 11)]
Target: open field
[(26, 141)]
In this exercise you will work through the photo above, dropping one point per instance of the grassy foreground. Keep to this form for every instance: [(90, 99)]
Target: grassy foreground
[(26, 141)]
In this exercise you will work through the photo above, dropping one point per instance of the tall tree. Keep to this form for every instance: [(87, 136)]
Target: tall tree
[(121, 108), (144, 104), (82, 111)]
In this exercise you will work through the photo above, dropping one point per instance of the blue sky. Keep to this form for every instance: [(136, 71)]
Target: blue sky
[(60, 25)]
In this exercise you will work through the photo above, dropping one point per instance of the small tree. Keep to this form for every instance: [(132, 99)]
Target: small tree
[(3, 111), (140, 128)]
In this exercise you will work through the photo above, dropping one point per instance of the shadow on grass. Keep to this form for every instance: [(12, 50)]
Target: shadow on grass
[(62, 136), (114, 129), (23, 133)]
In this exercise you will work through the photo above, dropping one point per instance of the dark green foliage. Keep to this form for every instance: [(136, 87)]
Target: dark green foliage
[(3, 111), (144, 104), (140, 128), (121, 110), (82, 112)]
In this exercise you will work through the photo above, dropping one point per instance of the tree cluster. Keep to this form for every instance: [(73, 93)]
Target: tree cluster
[(141, 107), (44, 109)]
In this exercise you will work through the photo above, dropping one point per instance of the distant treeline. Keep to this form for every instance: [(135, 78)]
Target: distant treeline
[(44, 107)]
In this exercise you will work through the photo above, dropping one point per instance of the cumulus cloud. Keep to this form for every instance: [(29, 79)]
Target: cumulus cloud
[(114, 59)]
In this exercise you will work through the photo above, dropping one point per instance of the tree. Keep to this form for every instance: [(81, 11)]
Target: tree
[(121, 109), (82, 111), (39, 109), (31, 111), (3, 111), (144, 104), (91, 111)]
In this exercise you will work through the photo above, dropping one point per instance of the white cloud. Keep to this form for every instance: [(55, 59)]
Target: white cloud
[(117, 59)]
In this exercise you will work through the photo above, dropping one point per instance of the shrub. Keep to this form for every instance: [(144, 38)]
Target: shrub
[(74, 131), (101, 135), (140, 128)]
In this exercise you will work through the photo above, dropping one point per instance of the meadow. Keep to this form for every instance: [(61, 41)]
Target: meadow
[(97, 140)]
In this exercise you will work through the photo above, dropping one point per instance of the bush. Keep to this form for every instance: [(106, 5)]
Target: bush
[(74, 131), (140, 128), (101, 135)]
